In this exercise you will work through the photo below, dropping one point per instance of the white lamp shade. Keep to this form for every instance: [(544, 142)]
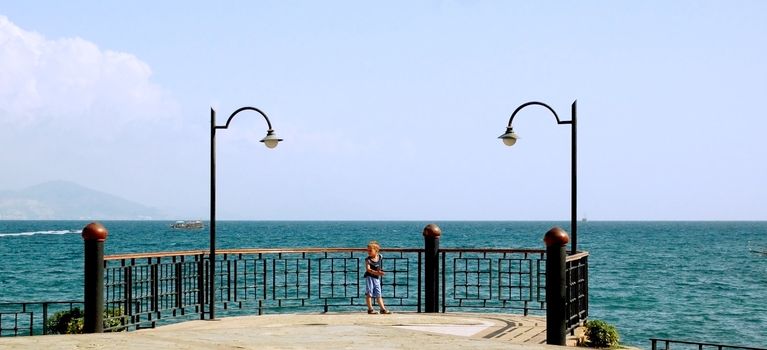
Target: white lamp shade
[(271, 140)]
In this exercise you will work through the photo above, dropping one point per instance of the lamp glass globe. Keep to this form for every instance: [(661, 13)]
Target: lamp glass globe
[(509, 141), (271, 143)]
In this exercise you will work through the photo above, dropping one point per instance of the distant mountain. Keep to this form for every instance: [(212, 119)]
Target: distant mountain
[(62, 200)]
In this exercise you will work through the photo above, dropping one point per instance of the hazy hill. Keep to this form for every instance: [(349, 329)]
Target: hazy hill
[(62, 200)]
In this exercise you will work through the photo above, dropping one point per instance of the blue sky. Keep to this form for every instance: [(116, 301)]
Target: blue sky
[(390, 111)]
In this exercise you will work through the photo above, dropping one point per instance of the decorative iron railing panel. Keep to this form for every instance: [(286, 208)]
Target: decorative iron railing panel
[(501, 279), (313, 279), (577, 289), (141, 289), (665, 344), (29, 318)]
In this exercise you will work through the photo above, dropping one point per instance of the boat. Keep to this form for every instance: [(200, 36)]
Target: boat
[(187, 224), (757, 249), (762, 251)]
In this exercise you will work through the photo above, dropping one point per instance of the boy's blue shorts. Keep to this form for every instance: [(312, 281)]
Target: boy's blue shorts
[(373, 287)]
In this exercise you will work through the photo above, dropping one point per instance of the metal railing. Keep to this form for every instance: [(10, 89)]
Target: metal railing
[(682, 344), (577, 290), (500, 279), (146, 289), (313, 279), (29, 318)]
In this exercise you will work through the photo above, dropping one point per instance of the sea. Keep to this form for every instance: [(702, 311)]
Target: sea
[(696, 281)]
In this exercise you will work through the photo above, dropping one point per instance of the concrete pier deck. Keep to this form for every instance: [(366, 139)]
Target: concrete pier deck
[(318, 331)]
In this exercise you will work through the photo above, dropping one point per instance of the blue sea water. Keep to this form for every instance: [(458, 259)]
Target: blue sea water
[(680, 280)]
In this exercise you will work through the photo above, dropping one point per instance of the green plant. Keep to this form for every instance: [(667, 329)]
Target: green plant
[(600, 334), (59, 322), (113, 320), (71, 321), (76, 325)]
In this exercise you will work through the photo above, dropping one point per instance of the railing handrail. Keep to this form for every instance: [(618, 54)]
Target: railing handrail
[(493, 250), (310, 250), (577, 256), (153, 254), (704, 344), (324, 250), (41, 302)]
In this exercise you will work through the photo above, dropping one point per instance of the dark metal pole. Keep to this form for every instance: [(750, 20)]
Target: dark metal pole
[(556, 253), (431, 234), (212, 257), (574, 181), (94, 235)]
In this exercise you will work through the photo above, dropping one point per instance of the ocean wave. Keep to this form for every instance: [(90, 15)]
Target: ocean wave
[(51, 232)]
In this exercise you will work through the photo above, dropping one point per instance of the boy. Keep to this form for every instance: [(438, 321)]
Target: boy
[(373, 273)]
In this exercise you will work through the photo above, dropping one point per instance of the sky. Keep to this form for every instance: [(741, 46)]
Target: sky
[(391, 110)]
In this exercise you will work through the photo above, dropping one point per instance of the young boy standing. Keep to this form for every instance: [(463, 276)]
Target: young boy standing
[(373, 273)]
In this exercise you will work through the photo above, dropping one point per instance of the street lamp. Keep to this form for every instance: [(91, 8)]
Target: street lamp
[(270, 140), (509, 138)]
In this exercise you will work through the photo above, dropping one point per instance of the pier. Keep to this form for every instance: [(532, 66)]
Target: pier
[(318, 331), (312, 297)]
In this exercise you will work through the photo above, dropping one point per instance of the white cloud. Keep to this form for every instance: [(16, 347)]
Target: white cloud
[(72, 82)]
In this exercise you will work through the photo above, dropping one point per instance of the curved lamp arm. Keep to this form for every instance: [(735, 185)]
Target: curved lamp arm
[(268, 123), (544, 105)]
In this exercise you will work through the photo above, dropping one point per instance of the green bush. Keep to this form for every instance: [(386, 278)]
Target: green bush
[(600, 334), (113, 320), (71, 321), (59, 323)]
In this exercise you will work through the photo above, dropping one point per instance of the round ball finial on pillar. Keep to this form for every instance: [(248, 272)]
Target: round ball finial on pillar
[(95, 232), (432, 230), (556, 237)]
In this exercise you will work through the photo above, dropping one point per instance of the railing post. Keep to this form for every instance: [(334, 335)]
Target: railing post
[(94, 235), (201, 285), (179, 282), (154, 287), (556, 329), (431, 234), (45, 318)]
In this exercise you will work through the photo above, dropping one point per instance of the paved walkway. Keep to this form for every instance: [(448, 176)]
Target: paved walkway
[(317, 331)]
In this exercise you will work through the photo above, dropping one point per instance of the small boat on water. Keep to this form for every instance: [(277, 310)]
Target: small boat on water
[(757, 249), (762, 251), (187, 224)]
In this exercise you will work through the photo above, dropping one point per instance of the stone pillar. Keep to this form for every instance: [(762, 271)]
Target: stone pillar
[(556, 327), (431, 234), (94, 236)]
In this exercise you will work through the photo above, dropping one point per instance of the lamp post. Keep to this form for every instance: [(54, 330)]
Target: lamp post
[(510, 138), (270, 140)]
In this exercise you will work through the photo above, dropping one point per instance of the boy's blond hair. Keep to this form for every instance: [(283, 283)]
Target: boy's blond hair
[(374, 245)]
